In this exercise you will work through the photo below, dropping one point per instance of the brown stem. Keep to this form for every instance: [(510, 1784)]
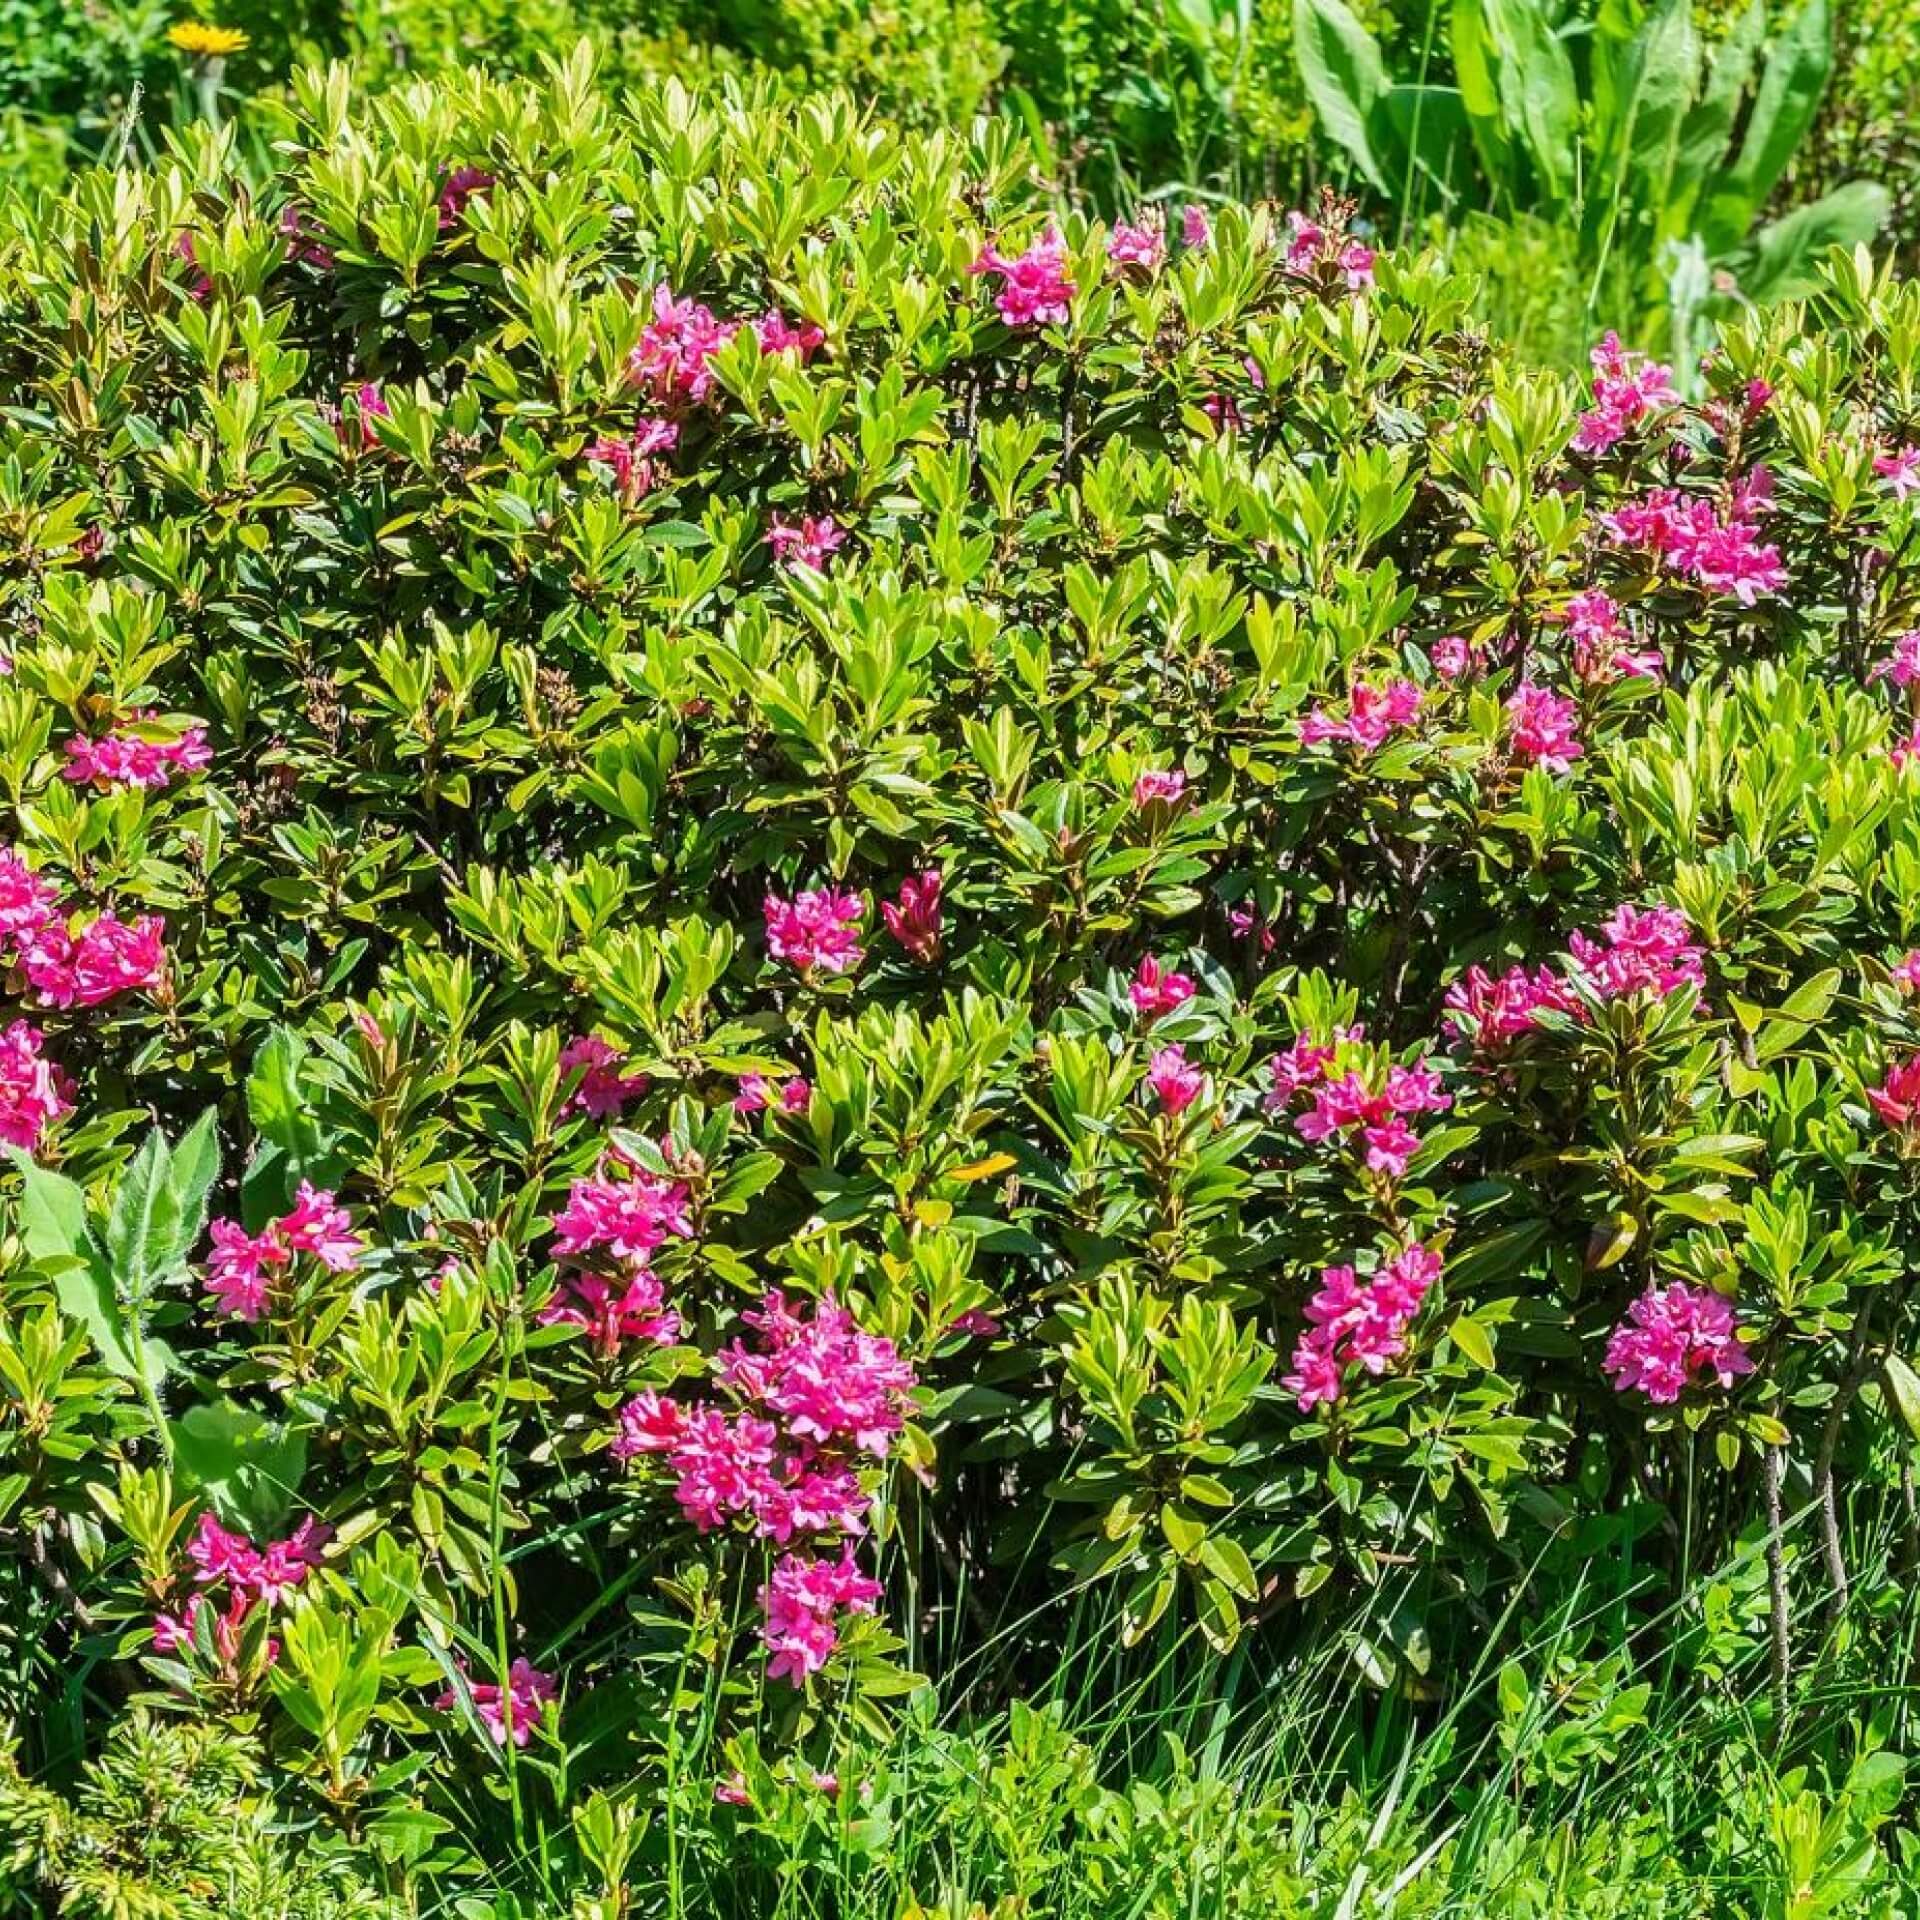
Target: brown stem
[(1830, 1543), (1773, 1464)]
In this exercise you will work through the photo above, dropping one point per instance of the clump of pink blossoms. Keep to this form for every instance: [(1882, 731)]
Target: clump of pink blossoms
[(808, 542), (1897, 1101), (107, 957), (1540, 727), (1159, 787), (1362, 1108), (460, 186), (817, 931), (631, 461), (1902, 665), (1603, 646), (1628, 388), (1141, 244), (1900, 469), (126, 757), (813, 1399), (1373, 716), (1175, 1081), (1491, 1010), (603, 1090), (671, 359), (757, 1093), (254, 1576), (1642, 949), (611, 1225), (914, 918), (243, 1268), (1690, 539), (1352, 1323), (1674, 1337), (510, 1712), (1035, 289), (1158, 990), (34, 1093)]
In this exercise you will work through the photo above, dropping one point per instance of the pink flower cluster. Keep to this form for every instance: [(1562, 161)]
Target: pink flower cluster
[(1351, 1323), (612, 1312), (1175, 1081), (1373, 715), (460, 186), (1603, 646), (1897, 1100), (814, 1397), (1158, 990), (107, 957), (1365, 1109), (757, 1093), (603, 1090), (914, 918), (510, 1712), (673, 357), (33, 1091), (1900, 470), (808, 542), (304, 238), (632, 461), (817, 931), (261, 1576), (801, 1601), (1453, 657), (126, 757), (1674, 1337), (1161, 788), (1902, 665), (1641, 950), (1689, 538), (1628, 388), (1034, 286), (1141, 243), (1540, 727), (243, 1267), (619, 1215), (1312, 245)]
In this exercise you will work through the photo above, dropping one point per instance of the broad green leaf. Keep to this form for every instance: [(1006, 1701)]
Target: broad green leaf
[(1787, 252), (1790, 88), (1345, 78), (1903, 1388), (247, 1466)]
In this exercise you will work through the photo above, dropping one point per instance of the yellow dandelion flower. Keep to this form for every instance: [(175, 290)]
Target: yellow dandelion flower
[(204, 40)]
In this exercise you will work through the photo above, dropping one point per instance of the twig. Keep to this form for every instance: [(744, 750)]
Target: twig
[(1773, 1465)]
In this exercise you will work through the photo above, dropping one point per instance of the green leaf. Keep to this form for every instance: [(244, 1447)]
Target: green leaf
[(1787, 252), (248, 1467), (1539, 104), (1227, 1561), (160, 1209), (1186, 1532), (280, 1108), (1472, 1340), (1903, 1388), (1790, 89), (1344, 75)]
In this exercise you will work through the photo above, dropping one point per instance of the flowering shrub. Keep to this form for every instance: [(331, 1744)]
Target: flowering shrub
[(750, 886)]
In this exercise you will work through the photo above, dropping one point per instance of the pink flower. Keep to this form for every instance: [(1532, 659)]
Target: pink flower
[(1689, 537), (1143, 246), (1168, 788), (976, 1323), (1541, 727), (914, 918), (634, 475), (1897, 1099), (1627, 389), (621, 1213), (1453, 657), (1292, 1073), (603, 1089), (818, 930), (1902, 665), (1492, 1012), (1196, 230), (241, 1268), (1035, 289), (28, 902), (1245, 923), (827, 1379), (1602, 646), (732, 1791), (1900, 470), (672, 359), (613, 1313), (1374, 714), (1904, 752), (1157, 990), (34, 1093), (318, 1227), (199, 285), (1648, 949), (126, 757), (373, 406), (107, 958), (808, 542), (649, 1423), (1352, 1323), (283, 1564), (1356, 262), (219, 1555), (509, 1712), (460, 186), (801, 1600), (1176, 1084), (1906, 973), (1675, 1337), (303, 238), (777, 335)]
